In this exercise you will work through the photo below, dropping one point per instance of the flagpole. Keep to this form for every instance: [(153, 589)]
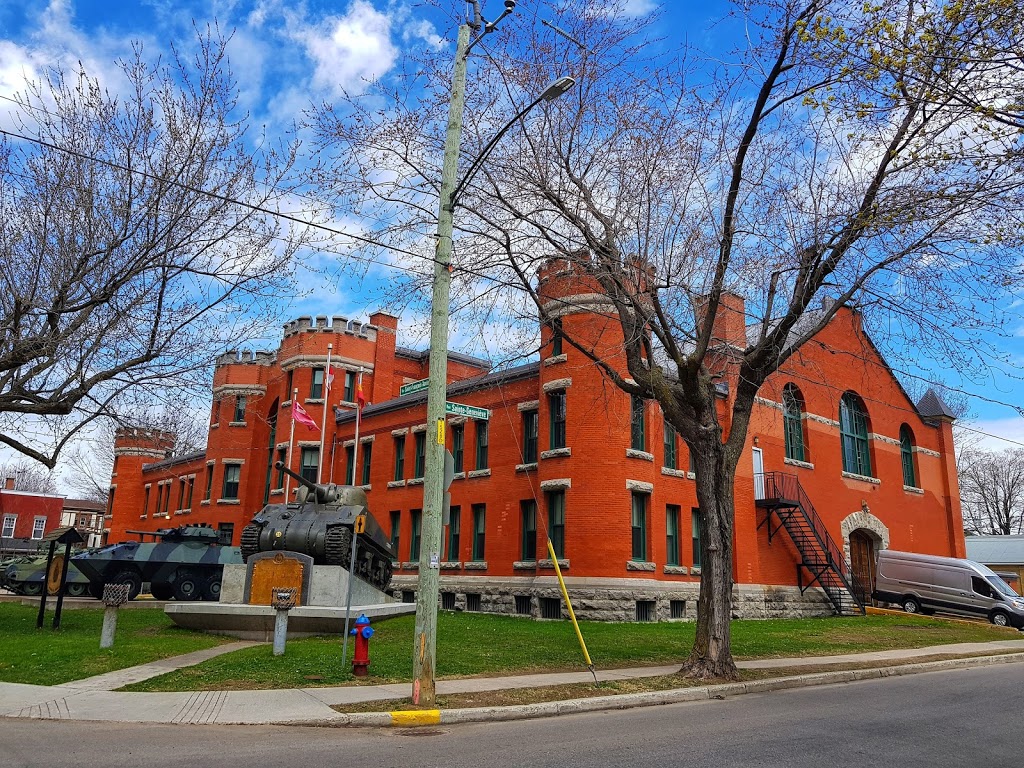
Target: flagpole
[(355, 448), (323, 430), (291, 441)]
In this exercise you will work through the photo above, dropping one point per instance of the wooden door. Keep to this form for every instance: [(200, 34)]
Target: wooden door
[(862, 561)]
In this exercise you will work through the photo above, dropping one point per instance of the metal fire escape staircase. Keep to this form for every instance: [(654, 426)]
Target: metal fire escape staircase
[(821, 560)]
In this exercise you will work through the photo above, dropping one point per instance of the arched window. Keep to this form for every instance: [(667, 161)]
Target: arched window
[(907, 455), (853, 429), (792, 415)]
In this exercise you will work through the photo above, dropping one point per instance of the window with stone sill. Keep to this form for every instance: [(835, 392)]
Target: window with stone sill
[(528, 528), (556, 521), (637, 426), (458, 446), (556, 409), (530, 429), (316, 384), (232, 478)]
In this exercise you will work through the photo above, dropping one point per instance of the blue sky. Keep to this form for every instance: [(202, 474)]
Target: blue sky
[(286, 55)]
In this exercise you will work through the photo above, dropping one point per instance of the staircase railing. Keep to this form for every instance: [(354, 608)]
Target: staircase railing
[(784, 487)]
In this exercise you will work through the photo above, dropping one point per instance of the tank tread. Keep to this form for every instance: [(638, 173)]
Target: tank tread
[(250, 543), (338, 545)]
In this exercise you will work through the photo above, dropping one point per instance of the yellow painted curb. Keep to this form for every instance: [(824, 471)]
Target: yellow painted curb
[(420, 717)]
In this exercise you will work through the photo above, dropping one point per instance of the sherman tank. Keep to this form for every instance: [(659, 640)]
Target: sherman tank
[(320, 523), (27, 576), (185, 563)]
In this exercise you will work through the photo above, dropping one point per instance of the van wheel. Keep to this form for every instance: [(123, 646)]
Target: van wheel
[(911, 605), (1000, 619)]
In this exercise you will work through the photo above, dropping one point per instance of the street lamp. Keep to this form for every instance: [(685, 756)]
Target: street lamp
[(424, 646)]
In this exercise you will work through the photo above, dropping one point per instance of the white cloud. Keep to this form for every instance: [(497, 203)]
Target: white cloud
[(995, 434), (350, 50)]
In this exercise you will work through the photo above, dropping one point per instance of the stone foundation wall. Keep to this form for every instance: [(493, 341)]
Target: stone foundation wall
[(619, 601)]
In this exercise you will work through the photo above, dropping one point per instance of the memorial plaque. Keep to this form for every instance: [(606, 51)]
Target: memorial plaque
[(281, 570)]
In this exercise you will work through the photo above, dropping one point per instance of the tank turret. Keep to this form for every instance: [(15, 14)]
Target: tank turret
[(320, 523)]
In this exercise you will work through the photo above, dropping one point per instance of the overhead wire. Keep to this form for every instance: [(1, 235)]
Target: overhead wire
[(476, 273)]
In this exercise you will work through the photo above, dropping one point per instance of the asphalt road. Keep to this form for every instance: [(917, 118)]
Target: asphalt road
[(958, 718)]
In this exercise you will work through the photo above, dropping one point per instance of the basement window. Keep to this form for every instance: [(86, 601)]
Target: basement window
[(645, 610), (550, 608)]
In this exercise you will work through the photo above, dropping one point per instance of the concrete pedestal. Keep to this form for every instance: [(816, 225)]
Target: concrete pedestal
[(322, 613)]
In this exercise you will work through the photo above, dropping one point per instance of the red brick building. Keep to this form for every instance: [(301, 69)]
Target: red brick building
[(26, 517), (565, 454)]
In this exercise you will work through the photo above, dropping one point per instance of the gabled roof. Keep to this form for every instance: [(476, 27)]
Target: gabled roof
[(996, 550), (505, 376), (172, 460)]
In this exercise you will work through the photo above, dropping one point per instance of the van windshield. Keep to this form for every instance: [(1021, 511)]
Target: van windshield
[(996, 581)]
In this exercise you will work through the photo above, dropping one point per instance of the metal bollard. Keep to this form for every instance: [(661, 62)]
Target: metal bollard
[(114, 596), (282, 600)]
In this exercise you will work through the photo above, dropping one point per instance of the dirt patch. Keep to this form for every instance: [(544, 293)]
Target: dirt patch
[(519, 696)]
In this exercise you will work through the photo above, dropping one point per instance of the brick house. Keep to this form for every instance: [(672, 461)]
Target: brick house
[(27, 516), (566, 455)]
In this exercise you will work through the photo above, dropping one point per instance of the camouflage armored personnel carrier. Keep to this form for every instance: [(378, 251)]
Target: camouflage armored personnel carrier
[(185, 563), (319, 523), (27, 576)]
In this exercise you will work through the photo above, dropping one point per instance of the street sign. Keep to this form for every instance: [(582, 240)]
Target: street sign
[(470, 411), (413, 386)]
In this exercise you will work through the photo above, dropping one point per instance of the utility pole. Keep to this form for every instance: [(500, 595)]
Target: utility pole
[(424, 649), (425, 642)]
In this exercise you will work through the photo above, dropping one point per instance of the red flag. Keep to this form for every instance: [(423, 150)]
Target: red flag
[(360, 397), (330, 376), (300, 415)]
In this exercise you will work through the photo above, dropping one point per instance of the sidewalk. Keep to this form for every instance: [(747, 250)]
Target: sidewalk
[(95, 698)]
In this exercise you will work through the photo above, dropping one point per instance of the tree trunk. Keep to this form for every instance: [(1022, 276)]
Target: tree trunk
[(711, 656)]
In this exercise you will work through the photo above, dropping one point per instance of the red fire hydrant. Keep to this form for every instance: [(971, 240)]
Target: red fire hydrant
[(363, 632)]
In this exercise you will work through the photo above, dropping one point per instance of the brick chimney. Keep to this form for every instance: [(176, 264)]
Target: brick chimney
[(8, 483), (729, 326)]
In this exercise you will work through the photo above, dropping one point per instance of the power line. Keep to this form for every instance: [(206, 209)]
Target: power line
[(369, 261)]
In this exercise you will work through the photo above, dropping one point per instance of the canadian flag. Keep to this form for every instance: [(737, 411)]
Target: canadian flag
[(300, 415), (330, 376)]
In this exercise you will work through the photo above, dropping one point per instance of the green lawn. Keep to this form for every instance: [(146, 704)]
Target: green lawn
[(48, 657), (480, 644), (468, 644)]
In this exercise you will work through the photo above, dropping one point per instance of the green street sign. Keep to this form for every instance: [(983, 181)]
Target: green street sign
[(470, 411), (414, 386)]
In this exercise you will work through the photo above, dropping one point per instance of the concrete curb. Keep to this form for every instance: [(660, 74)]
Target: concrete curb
[(409, 719)]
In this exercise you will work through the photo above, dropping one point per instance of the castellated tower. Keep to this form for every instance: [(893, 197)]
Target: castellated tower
[(597, 415)]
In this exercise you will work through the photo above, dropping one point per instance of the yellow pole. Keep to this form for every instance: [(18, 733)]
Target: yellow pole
[(568, 604)]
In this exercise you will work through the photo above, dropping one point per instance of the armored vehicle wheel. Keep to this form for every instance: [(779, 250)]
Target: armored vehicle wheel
[(250, 543), (211, 588), (338, 545), (32, 588), (130, 577), (187, 586), (76, 590), (96, 589), (161, 590)]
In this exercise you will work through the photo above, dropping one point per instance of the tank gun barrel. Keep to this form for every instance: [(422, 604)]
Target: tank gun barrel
[(319, 491)]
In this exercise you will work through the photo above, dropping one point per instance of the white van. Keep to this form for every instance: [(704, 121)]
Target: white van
[(926, 583)]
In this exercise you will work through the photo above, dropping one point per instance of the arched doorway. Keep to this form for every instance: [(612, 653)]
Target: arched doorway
[(862, 562)]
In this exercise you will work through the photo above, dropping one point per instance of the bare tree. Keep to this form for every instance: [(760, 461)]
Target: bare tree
[(992, 491), (91, 461), (28, 476), (870, 154), (134, 243)]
